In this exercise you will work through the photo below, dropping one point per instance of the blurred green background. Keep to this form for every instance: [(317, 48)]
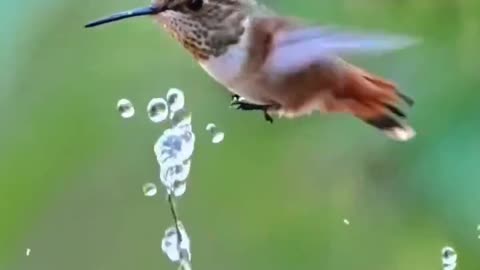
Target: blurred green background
[(270, 196)]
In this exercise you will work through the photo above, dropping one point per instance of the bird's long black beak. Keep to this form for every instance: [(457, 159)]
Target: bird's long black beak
[(127, 14)]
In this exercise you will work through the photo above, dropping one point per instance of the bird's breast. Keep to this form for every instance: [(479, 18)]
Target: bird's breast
[(228, 70), (226, 67)]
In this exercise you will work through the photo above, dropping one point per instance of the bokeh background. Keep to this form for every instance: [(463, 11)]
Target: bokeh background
[(268, 197)]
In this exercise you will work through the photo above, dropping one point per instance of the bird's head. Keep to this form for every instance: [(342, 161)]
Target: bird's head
[(204, 27)]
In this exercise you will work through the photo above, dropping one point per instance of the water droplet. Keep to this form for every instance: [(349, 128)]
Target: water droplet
[(183, 170), (449, 258), (175, 173), (185, 265), (210, 127), (173, 151), (176, 251), (181, 118), (179, 188), (157, 110), (149, 189), (125, 107), (217, 136), (175, 99), (346, 221), (27, 252), (174, 146)]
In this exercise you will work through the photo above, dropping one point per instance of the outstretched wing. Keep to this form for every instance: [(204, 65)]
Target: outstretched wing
[(299, 48)]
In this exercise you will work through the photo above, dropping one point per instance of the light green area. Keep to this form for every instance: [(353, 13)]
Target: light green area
[(270, 196)]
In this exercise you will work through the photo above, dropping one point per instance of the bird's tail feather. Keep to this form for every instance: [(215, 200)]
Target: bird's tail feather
[(375, 103), (391, 127)]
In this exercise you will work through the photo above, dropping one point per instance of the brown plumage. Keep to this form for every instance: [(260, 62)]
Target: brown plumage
[(280, 66), (332, 86)]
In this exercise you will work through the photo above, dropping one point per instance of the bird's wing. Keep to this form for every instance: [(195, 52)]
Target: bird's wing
[(298, 48)]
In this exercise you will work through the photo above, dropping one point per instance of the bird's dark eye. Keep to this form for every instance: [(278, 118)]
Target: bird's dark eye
[(195, 5)]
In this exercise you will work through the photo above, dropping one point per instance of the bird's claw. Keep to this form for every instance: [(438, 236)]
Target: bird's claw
[(267, 116), (244, 106)]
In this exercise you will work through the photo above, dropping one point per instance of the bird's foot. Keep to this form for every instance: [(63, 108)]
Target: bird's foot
[(245, 106)]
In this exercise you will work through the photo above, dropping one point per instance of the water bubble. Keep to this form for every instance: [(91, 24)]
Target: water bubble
[(157, 110), (346, 221), (478, 229), (449, 258), (27, 252), (149, 189), (217, 136), (125, 107), (175, 99), (170, 244)]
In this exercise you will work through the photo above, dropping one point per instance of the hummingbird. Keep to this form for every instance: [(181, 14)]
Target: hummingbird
[(282, 66)]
